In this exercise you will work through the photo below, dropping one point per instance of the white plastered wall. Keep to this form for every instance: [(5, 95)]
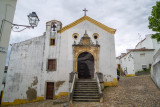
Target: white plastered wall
[(25, 69), (142, 60), (127, 63)]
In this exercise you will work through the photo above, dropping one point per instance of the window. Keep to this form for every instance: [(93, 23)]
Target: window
[(52, 42), (144, 67), (75, 36), (95, 35), (52, 63)]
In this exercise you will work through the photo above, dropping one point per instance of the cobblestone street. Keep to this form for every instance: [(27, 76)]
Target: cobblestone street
[(137, 91)]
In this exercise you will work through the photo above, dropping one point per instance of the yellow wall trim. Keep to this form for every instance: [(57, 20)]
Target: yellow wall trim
[(130, 75), (61, 94), (2, 97), (22, 101), (104, 27), (112, 83)]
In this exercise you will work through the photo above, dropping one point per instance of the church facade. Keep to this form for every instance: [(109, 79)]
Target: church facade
[(39, 68)]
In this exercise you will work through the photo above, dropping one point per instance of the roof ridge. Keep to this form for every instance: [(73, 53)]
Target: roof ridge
[(101, 23), (104, 27)]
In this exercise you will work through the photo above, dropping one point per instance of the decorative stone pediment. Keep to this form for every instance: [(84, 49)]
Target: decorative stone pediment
[(85, 40)]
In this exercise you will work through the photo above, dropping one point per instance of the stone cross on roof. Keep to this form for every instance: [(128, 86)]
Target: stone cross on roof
[(85, 11)]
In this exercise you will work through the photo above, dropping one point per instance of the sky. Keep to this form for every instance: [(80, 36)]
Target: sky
[(128, 17)]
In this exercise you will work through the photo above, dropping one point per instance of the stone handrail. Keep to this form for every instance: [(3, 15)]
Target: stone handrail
[(99, 88), (73, 80)]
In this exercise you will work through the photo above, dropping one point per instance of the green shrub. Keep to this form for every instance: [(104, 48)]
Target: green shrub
[(145, 70)]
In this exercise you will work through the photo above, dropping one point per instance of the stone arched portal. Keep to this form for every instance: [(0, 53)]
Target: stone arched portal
[(86, 45)]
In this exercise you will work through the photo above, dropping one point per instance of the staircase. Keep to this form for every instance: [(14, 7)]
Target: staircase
[(86, 90)]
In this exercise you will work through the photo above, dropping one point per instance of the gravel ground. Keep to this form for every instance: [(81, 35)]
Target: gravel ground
[(139, 91)]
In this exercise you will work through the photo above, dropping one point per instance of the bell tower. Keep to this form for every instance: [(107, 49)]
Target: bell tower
[(52, 27)]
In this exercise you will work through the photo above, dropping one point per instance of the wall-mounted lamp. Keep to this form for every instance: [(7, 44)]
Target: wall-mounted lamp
[(33, 21)]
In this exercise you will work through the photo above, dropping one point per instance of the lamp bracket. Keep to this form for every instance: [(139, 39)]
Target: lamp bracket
[(17, 27)]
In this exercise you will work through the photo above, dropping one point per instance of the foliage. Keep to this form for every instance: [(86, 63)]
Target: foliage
[(154, 21), (143, 72), (146, 70)]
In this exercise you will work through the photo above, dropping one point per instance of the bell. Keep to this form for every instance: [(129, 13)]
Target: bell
[(54, 27)]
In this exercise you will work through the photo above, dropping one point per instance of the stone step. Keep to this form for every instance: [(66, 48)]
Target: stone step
[(80, 91), (86, 81), (85, 89), (85, 84), (86, 97), (79, 84), (86, 94), (86, 100)]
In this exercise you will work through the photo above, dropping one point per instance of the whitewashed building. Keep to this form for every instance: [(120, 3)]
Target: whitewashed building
[(149, 43), (140, 57), (136, 60), (45, 62)]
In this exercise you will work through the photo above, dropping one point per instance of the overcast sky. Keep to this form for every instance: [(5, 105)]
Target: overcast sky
[(129, 17)]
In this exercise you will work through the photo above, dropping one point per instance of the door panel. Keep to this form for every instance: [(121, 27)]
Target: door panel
[(50, 90)]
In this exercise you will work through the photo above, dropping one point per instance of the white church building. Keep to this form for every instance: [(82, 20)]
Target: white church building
[(40, 68)]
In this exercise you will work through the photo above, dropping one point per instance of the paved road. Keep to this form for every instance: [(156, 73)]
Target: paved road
[(137, 91)]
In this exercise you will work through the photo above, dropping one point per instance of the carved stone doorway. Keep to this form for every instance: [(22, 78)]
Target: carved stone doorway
[(83, 48), (85, 65)]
